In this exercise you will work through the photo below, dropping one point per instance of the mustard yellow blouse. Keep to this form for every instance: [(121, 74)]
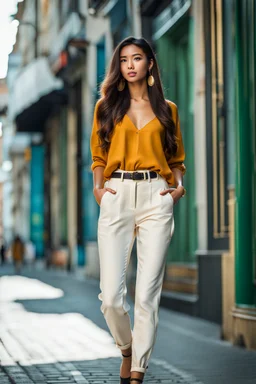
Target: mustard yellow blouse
[(134, 149)]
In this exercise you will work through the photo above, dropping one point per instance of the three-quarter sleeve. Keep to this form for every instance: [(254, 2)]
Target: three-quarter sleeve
[(177, 161), (99, 157)]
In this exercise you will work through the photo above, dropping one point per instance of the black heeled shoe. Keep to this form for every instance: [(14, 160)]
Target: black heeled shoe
[(127, 379)]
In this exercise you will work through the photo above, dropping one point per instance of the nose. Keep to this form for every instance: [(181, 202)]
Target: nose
[(130, 64)]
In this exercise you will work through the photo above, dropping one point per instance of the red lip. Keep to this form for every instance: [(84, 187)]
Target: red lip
[(132, 73)]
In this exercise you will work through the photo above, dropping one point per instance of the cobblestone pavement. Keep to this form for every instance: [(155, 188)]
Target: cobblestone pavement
[(86, 372), (52, 331)]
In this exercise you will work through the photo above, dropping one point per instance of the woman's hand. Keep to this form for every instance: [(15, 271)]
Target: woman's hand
[(176, 193), (99, 192)]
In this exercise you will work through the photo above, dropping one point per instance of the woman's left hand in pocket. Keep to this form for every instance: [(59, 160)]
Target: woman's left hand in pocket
[(176, 193)]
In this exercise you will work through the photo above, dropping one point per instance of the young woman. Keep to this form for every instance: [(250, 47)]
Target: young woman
[(138, 155)]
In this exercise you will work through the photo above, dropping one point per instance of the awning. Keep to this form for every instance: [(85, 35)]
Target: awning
[(35, 90), (169, 17)]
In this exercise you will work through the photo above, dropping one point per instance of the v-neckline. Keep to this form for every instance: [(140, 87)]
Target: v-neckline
[(139, 129)]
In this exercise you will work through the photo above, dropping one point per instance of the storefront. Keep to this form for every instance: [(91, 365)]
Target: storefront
[(244, 310), (173, 37), (67, 59), (170, 28), (34, 96), (230, 108)]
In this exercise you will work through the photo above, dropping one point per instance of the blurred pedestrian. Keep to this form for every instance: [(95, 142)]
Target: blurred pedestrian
[(2, 252), (137, 152), (18, 253)]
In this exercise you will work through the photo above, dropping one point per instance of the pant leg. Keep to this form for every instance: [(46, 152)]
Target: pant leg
[(115, 241), (155, 225)]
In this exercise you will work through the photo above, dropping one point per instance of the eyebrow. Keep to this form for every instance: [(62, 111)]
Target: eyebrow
[(135, 54)]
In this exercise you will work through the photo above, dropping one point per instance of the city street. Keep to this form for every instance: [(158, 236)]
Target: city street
[(153, 101), (52, 331)]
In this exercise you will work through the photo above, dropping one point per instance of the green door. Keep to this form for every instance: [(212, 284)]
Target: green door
[(175, 56)]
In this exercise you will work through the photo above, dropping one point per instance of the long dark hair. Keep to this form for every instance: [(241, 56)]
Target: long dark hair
[(114, 104)]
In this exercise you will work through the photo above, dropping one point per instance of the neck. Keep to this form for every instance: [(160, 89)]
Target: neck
[(138, 91)]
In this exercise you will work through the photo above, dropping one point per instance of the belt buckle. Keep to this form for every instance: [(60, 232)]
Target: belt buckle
[(134, 175)]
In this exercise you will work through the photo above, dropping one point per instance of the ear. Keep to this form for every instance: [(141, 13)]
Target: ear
[(151, 63)]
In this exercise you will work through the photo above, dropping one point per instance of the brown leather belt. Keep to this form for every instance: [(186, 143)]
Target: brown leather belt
[(134, 175)]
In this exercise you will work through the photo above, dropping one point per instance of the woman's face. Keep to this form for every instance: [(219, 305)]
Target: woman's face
[(134, 64)]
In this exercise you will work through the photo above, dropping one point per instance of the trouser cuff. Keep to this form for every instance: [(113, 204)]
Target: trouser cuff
[(123, 347)]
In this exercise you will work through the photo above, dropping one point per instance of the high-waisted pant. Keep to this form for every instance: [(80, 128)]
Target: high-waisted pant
[(136, 210)]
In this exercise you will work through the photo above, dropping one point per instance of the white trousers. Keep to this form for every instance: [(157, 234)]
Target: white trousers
[(136, 210)]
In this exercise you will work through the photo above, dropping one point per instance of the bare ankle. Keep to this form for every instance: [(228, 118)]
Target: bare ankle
[(126, 352)]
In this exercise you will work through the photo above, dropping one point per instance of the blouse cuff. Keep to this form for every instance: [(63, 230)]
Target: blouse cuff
[(180, 166), (98, 163)]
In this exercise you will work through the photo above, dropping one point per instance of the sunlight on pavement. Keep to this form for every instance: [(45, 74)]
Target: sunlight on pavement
[(22, 288), (32, 338)]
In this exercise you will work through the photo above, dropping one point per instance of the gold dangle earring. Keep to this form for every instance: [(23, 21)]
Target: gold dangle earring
[(151, 80), (121, 85)]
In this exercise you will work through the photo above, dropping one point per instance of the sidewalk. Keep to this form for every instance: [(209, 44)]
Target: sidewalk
[(52, 331)]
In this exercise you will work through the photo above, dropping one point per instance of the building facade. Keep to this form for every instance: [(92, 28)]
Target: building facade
[(208, 70)]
